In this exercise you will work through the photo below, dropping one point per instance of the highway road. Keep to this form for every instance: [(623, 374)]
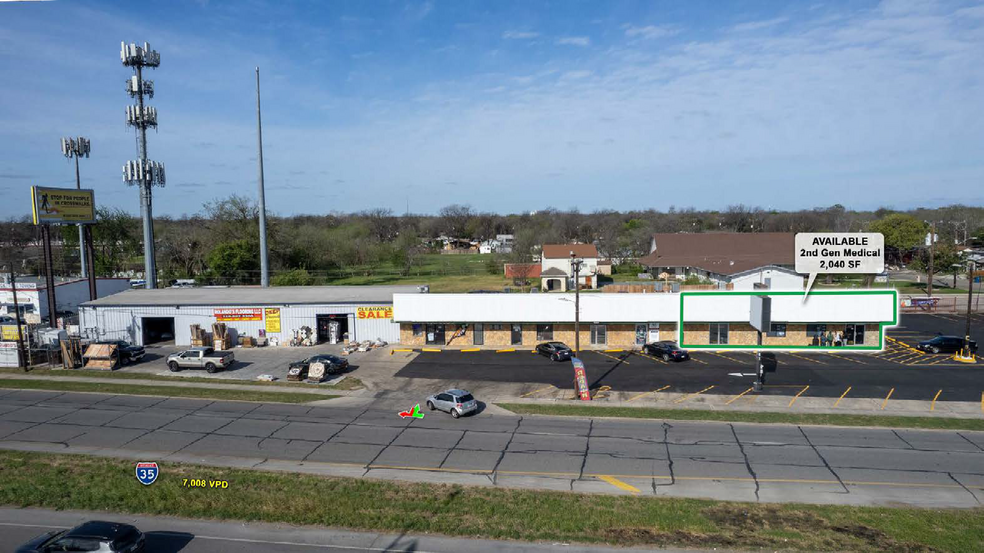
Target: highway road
[(171, 535), (751, 462)]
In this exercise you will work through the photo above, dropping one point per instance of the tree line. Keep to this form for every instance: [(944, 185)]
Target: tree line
[(220, 243)]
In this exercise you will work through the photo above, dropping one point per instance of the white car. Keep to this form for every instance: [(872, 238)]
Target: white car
[(457, 402)]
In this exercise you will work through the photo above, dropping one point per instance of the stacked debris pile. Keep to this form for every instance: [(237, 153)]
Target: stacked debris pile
[(365, 345), (246, 341), (101, 356), (302, 337), (199, 337), (316, 373), (220, 336), (71, 353)]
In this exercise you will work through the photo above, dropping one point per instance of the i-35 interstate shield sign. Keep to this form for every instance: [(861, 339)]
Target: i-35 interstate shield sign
[(147, 473)]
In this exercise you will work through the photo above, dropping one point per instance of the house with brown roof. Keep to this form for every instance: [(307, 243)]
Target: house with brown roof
[(555, 266), (761, 260)]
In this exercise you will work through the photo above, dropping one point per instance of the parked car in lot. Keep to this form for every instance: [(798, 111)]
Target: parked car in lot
[(128, 352), (945, 344), (94, 535), (557, 351), (456, 402), (332, 364), (200, 358), (666, 350)]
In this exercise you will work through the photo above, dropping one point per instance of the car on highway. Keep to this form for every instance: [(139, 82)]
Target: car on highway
[(332, 364), (557, 351), (128, 352), (200, 358), (666, 350), (945, 344), (454, 401), (95, 535)]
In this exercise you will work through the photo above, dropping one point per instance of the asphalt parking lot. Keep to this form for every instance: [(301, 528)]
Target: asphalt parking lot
[(899, 371)]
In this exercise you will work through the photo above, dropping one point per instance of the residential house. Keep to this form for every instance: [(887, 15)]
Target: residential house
[(556, 273), (762, 260)]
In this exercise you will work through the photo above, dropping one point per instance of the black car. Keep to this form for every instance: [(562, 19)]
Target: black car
[(332, 363), (666, 350), (945, 344), (128, 352), (558, 351), (94, 535)]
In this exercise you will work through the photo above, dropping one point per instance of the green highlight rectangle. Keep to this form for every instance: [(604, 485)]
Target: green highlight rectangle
[(737, 347)]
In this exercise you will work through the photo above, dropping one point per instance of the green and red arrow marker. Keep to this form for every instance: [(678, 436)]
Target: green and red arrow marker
[(415, 413)]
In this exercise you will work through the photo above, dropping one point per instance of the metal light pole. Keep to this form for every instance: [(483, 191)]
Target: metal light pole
[(142, 172), (264, 264), (576, 266), (77, 147), (970, 297), (932, 251)]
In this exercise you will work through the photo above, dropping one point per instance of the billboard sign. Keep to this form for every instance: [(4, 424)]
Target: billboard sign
[(272, 319), (376, 312), (62, 206), (239, 314)]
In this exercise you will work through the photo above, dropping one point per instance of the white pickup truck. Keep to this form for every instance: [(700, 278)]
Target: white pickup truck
[(200, 358)]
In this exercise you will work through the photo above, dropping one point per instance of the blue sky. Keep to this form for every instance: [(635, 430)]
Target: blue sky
[(506, 106)]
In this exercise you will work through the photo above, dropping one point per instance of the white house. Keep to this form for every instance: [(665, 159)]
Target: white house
[(555, 266)]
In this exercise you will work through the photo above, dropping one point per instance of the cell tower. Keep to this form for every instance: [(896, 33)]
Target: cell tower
[(143, 172)]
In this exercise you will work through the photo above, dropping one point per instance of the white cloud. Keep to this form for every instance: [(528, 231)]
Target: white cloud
[(574, 41), (649, 31), (756, 25), (518, 35)]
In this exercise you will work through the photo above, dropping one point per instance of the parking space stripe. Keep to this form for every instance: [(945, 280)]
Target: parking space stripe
[(471, 349), (692, 358), (509, 350), (858, 361), (688, 396), (842, 396), (884, 403), (807, 358), (633, 398), (724, 357), (932, 406), (432, 350), (730, 401), (527, 394), (657, 359), (619, 484), (792, 401), (611, 356)]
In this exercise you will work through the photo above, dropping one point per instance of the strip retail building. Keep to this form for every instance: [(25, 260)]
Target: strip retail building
[(631, 320)]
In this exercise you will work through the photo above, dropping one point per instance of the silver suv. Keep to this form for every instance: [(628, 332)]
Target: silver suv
[(456, 402)]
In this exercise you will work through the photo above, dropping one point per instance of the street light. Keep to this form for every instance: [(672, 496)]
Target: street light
[(77, 147), (970, 296)]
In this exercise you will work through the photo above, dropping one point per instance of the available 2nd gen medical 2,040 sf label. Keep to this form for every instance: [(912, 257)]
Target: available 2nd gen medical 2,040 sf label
[(839, 252)]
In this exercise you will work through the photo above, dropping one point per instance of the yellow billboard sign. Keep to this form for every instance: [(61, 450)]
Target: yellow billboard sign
[(272, 319), (380, 312), (9, 332), (62, 206)]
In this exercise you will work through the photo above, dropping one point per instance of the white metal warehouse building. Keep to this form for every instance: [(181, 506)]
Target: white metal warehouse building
[(148, 316)]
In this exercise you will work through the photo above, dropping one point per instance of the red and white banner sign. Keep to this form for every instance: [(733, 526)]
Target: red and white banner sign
[(581, 380), (239, 314)]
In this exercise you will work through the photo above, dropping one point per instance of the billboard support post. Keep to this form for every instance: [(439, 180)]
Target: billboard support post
[(90, 253), (49, 276)]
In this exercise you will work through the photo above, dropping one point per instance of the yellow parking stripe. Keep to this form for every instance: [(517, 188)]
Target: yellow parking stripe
[(792, 401), (884, 403), (647, 356), (614, 350), (611, 356), (688, 396), (738, 396), (842, 396), (619, 484), (932, 406), (633, 398), (724, 357), (392, 351), (847, 358), (692, 358), (505, 350), (432, 350), (527, 394), (807, 358)]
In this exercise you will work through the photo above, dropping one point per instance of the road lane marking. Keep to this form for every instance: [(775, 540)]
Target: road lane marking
[(611, 356), (692, 358), (725, 357), (792, 401), (730, 401), (884, 403), (619, 484), (846, 358), (842, 396), (633, 398), (536, 391), (688, 396), (932, 406)]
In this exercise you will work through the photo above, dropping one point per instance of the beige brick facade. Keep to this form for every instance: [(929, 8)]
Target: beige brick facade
[(618, 335), (742, 334)]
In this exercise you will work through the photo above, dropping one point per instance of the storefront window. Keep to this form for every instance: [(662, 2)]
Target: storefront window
[(599, 335), (719, 333), (640, 337), (418, 330), (777, 330), (544, 333)]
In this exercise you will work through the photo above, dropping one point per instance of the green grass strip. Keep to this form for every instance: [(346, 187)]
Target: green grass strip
[(168, 391), (832, 419), (102, 484)]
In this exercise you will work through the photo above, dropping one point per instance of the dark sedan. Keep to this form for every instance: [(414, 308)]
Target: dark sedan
[(945, 344), (89, 536), (557, 351), (332, 363), (667, 351)]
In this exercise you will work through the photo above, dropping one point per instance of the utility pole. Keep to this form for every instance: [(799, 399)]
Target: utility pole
[(932, 251), (49, 276), (264, 265), (970, 298), (20, 335), (576, 266), (143, 172), (77, 147)]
